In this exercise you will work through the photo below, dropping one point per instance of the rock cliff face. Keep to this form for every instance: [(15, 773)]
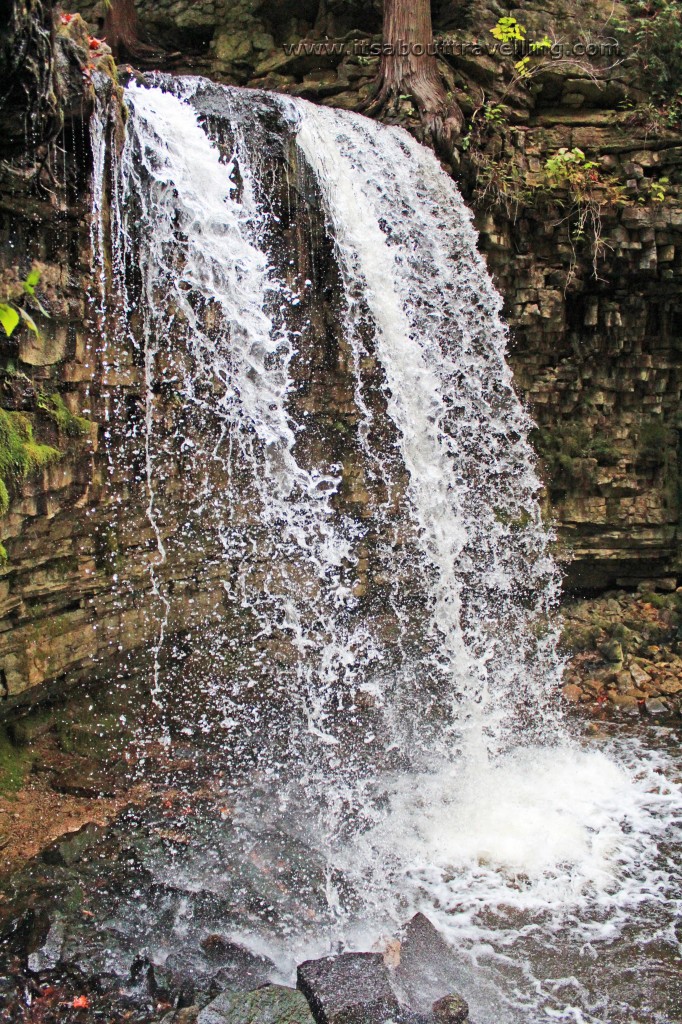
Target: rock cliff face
[(595, 321)]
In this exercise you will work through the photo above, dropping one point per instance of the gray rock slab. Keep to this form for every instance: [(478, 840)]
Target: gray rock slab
[(352, 988), (429, 968), (271, 1004)]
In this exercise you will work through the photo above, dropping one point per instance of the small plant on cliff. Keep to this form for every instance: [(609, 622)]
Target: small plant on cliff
[(657, 44), (488, 119), (12, 314), (570, 167), (20, 453), (656, 191), (584, 194)]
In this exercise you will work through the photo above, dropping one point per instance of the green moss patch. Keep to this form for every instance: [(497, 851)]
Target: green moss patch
[(20, 454), (570, 455), (54, 406)]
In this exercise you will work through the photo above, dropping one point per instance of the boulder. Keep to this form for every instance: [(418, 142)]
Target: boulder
[(272, 1004), (237, 967), (353, 988), (450, 1010), (219, 966), (429, 969)]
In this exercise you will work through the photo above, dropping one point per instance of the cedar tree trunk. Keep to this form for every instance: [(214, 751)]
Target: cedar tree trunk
[(122, 31), (409, 65)]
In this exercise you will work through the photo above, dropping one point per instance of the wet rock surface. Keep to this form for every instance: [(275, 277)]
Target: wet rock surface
[(129, 909), (114, 915), (428, 967), (353, 988), (272, 1004)]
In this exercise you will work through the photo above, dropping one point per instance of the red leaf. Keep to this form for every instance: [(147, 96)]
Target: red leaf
[(81, 1003)]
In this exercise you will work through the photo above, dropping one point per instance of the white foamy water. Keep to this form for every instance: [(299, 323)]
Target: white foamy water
[(539, 859), (551, 871)]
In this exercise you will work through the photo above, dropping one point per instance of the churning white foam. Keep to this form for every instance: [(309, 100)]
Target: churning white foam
[(549, 825)]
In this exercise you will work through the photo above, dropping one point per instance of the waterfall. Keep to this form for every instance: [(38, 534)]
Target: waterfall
[(416, 292), (333, 454)]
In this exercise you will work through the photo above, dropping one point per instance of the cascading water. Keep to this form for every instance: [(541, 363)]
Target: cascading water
[(414, 284), (377, 689)]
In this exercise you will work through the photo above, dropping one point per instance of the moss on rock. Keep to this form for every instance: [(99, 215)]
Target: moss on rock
[(20, 453)]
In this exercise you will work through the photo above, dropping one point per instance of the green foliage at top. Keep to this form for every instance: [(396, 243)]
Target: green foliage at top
[(508, 30), (20, 453)]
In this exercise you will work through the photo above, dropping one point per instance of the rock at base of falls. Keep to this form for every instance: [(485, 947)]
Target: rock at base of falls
[(411, 984), (451, 1010), (271, 1004), (352, 988), (221, 966), (428, 972)]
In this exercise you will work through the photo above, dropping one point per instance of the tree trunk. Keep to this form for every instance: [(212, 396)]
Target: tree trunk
[(122, 31), (409, 65)]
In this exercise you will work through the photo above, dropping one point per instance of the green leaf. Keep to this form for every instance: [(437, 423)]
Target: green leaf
[(9, 318), (40, 306), (30, 322), (31, 282)]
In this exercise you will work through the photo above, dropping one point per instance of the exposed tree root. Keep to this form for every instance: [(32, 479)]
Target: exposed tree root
[(409, 67)]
